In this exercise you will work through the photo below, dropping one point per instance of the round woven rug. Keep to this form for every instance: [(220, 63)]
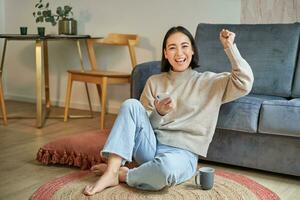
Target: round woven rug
[(227, 185)]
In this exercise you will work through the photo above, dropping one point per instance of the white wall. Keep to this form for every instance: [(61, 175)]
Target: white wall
[(271, 11), (149, 19), (2, 14)]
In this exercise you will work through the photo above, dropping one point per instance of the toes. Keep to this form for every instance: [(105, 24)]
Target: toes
[(98, 167), (97, 172), (88, 190), (94, 167)]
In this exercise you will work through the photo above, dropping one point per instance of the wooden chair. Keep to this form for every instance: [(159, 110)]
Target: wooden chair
[(2, 101), (99, 77)]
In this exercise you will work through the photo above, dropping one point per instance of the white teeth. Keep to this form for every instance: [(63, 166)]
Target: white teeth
[(180, 60)]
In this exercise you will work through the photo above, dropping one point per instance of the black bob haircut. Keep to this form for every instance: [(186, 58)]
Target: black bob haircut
[(165, 65)]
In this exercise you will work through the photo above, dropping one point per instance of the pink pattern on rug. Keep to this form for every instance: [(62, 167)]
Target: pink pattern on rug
[(47, 190), (259, 190)]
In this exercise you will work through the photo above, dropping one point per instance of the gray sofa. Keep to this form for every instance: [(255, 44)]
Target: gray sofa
[(262, 129)]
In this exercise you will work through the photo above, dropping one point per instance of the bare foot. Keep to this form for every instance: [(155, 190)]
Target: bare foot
[(108, 179), (123, 174), (101, 168)]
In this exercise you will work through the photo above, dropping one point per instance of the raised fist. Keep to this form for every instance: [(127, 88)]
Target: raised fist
[(226, 38)]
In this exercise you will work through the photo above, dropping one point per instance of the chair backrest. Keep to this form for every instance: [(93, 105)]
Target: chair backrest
[(116, 39)]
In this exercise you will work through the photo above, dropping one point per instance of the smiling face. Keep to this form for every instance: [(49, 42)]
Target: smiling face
[(178, 51)]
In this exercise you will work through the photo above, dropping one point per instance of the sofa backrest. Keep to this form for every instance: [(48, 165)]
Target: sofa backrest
[(139, 76), (296, 83), (270, 49)]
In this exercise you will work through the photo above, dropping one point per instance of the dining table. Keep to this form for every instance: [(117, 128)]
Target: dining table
[(42, 65)]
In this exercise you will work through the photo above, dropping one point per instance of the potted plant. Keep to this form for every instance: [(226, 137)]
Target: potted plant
[(66, 24), (43, 14)]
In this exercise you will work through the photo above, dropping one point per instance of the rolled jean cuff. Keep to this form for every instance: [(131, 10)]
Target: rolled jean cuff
[(105, 154), (128, 179)]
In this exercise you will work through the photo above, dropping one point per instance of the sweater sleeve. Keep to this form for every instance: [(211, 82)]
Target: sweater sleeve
[(147, 99), (240, 80)]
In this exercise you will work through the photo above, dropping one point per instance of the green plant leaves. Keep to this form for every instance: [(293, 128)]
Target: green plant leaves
[(59, 11), (44, 14), (64, 13), (39, 19), (51, 19), (47, 13), (67, 9)]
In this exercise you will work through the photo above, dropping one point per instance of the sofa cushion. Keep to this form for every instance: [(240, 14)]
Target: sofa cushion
[(79, 150), (243, 113), (270, 49), (139, 76), (280, 117)]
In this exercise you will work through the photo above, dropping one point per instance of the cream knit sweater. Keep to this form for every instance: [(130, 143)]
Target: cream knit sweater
[(197, 98)]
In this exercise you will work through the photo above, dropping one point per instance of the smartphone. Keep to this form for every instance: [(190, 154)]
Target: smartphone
[(162, 96)]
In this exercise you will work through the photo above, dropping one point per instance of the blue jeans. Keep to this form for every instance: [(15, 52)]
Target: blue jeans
[(160, 165)]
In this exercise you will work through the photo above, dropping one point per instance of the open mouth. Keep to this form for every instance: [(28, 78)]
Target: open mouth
[(180, 61)]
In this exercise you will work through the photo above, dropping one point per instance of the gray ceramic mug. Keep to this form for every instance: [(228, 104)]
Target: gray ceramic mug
[(205, 178)]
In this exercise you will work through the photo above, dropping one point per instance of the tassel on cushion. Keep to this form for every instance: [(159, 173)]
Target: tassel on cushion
[(64, 158), (85, 163), (46, 157), (55, 158), (80, 150), (71, 158), (78, 161), (39, 155)]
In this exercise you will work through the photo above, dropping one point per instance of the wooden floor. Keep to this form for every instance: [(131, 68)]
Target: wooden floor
[(21, 175)]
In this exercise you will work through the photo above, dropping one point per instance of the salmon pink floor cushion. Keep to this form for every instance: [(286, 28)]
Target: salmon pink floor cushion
[(80, 150)]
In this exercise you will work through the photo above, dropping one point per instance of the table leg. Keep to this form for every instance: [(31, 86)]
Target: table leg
[(39, 103), (2, 102), (46, 75), (3, 55)]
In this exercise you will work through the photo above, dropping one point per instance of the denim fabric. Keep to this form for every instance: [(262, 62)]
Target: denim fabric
[(132, 135), (270, 50), (243, 113), (169, 167), (280, 117), (160, 165)]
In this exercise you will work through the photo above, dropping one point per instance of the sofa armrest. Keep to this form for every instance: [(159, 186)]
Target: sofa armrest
[(139, 76)]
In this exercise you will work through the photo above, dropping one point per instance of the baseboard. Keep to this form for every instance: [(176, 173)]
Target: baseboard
[(113, 107)]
